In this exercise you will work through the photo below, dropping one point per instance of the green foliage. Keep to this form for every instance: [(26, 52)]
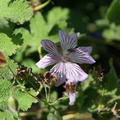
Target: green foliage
[(17, 11), (24, 91), (8, 72), (54, 116), (40, 28), (112, 33), (111, 22), (111, 78), (113, 12), (5, 87), (6, 45), (87, 82), (25, 98), (6, 115)]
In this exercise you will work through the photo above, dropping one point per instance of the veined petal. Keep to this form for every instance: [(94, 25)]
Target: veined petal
[(67, 41), (81, 57), (85, 49), (74, 73), (60, 70), (50, 46), (47, 60), (72, 98)]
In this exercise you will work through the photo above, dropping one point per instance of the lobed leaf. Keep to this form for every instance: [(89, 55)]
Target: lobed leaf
[(8, 72), (17, 11), (6, 115), (6, 45), (5, 87), (25, 98), (40, 29)]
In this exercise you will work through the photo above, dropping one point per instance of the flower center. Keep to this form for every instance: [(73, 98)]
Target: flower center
[(66, 58)]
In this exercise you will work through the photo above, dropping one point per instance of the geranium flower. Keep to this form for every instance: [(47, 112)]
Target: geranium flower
[(66, 56)]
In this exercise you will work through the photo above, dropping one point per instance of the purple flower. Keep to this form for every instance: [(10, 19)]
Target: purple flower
[(66, 58)]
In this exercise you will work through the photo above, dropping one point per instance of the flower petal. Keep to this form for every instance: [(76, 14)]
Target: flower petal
[(47, 60), (81, 57), (74, 73), (60, 70), (85, 49), (67, 41), (50, 47), (72, 98)]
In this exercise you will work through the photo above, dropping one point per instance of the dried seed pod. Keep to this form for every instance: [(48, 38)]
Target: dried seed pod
[(23, 72)]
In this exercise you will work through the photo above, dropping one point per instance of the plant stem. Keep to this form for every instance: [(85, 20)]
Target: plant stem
[(22, 114), (42, 6), (62, 98), (40, 89), (49, 90), (46, 93)]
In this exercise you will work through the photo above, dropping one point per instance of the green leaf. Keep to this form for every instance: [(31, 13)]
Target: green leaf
[(8, 72), (86, 83), (40, 28), (112, 33), (17, 11), (55, 17), (102, 22), (113, 13), (5, 87), (25, 98), (112, 81), (31, 64), (6, 45), (53, 96), (3, 14), (6, 115), (54, 116), (20, 11)]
